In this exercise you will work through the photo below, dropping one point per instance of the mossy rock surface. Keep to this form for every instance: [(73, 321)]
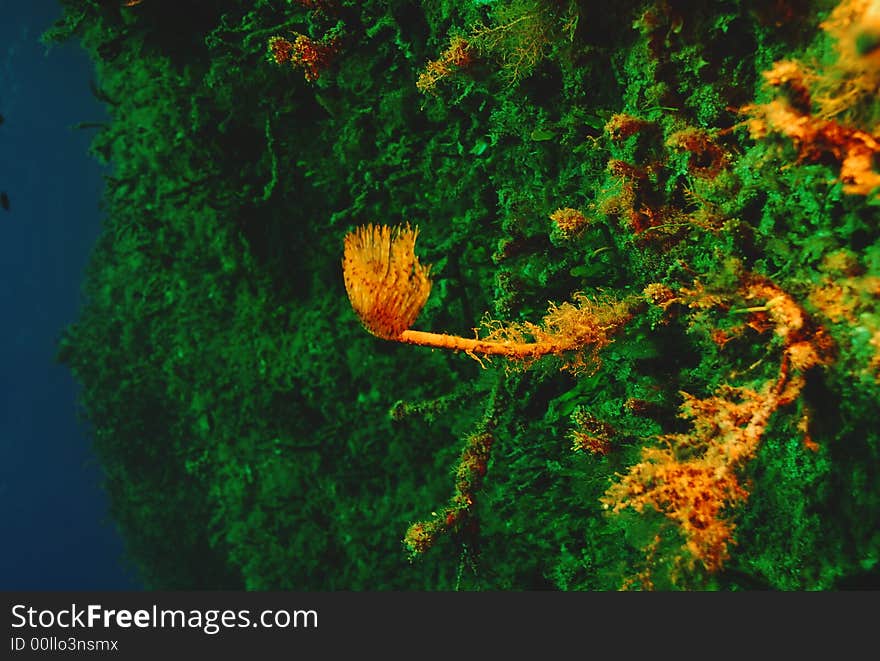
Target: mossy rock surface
[(255, 436)]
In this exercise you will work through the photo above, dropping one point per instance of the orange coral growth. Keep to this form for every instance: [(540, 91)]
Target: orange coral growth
[(707, 158), (472, 466), (789, 76), (694, 491), (592, 435), (660, 295), (846, 294), (457, 56), (635, 202), (844, 89), (310, 55), (855, 75), (621, 126), (874, 362), (580, 329), (816, 139), (843, 299), (318, 5), (698, 297), (693, 479), (280, 49), (421, 536), (569, 221)]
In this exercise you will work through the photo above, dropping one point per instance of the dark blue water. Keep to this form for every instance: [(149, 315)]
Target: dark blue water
[(55, 529)]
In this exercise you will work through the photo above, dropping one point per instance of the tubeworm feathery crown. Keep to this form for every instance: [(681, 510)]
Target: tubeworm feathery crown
[(388, 287), (385, 282)]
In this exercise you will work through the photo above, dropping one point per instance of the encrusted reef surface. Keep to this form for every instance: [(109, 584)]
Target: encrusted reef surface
[(489, 295)]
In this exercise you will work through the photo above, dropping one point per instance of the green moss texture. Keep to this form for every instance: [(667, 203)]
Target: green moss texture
[(713, 165)]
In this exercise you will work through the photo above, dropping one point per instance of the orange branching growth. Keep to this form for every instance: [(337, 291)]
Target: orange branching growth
[(693, 479), (874, 362), (580, 329), (816, 139), (472, 466), (847, 294), (518, 37), (693, 491), (791, 77), (855, 76), (521, 34), (847, 298), (637, 192), (842, 92), (638, 186), (317, 5), (570, 222), (707, 158), (388, 287), (592, 435), (311, 55), (660, 295), (456, 57), (621, 126), (847, 85)]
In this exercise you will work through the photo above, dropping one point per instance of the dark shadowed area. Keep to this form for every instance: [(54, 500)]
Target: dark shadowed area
[(56, 530)]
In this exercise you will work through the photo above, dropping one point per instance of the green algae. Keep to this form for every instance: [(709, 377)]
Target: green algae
[(254, 436)]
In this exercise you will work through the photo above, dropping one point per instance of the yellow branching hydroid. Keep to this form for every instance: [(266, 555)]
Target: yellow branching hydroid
[(386, 284)]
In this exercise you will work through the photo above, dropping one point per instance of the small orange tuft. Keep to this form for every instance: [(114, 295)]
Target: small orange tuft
[(280, 49), (570, 222), (458, 55), (311, 55)]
